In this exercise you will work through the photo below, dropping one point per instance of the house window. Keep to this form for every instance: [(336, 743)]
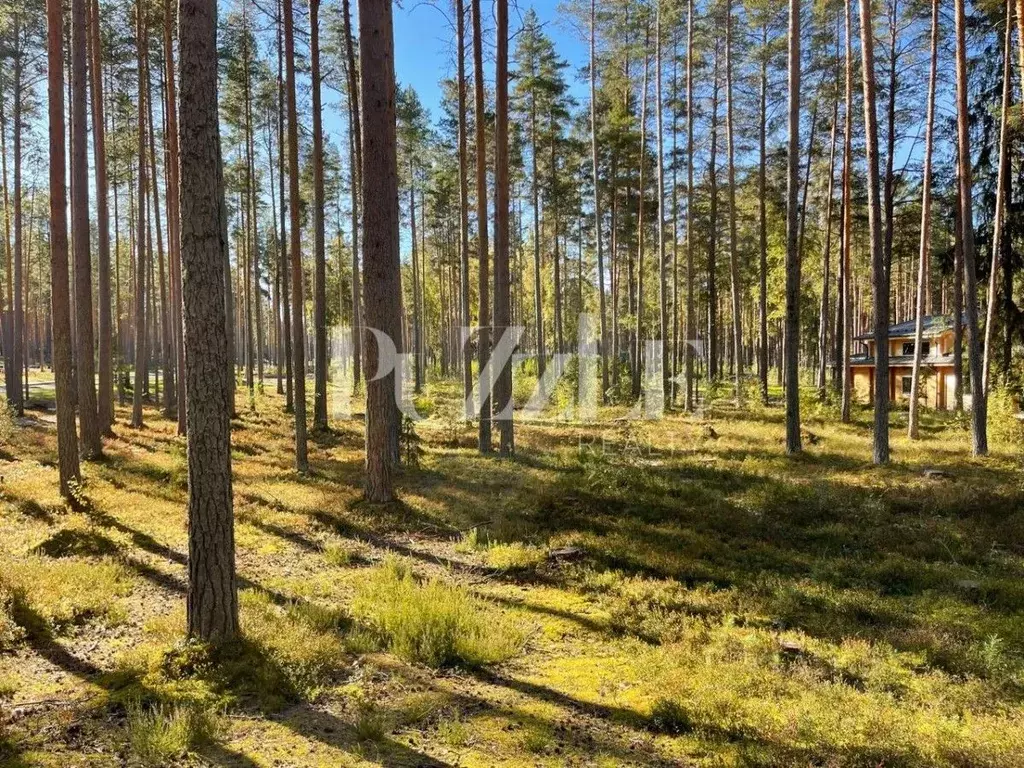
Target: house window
[(908, 348), (906, 384)]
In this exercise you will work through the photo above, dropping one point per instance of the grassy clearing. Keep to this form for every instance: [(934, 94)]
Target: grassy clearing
[(670, 593)]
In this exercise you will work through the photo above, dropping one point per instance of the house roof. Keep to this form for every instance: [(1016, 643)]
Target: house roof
[(934, 325)]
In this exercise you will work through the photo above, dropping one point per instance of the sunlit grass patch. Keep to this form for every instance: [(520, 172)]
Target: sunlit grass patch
[(158, 736), (52, 595), (287, 653), (435, 622), (501, 555)]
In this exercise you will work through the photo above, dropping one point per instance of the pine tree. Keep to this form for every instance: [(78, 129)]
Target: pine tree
[(212, 600)]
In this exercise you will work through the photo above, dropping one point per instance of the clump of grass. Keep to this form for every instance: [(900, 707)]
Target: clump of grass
[(668, 716), (6, 424), (342, 553), (287, 653), (502, 556), (157, 736), (453, 731), (515, 556), (434, 623), (11, 634), (51, 595), (302, 641)]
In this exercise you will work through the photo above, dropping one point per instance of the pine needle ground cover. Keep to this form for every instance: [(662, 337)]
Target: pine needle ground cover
[(664, 593)]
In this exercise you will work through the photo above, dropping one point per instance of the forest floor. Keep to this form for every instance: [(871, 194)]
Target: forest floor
[(620, 593)]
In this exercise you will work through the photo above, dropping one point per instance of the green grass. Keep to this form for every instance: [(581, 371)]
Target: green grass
[(434, 623), (161, 736), (720, 604)]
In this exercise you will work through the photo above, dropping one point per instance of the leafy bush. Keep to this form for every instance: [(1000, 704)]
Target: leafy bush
[(433, 623)]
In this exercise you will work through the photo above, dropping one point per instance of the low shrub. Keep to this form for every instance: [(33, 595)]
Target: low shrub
[(160, 735), (434, 623)]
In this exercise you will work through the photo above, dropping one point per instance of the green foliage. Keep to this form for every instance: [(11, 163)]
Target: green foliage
[(49, 596), (502, 556), (11, 634), (1004, 423), (434, 623), (6, 424), (411, 449), (161, 735)]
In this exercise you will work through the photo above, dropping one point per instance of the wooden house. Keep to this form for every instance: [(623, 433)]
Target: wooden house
[(938, 384)]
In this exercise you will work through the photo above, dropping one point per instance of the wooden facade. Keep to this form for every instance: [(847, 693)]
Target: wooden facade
[(938, 382)]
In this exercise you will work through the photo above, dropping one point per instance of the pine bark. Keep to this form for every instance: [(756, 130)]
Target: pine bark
[(379, 176), (762, 222), (139, 384), (212, 602), (691, 322), (104, 402), (663, 290), (979, 409), (484, 316), (295, 235), (503, 382), (89, 435), (319, 257), (356, 144), (926, 212), (792, 329), (845, 331), (598, 240), (879, 266), (734, 268), (284, 264), (67, 440), (467, 351)]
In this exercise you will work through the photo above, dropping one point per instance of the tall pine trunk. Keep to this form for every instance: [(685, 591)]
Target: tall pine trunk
[(762, 221), (379, 176), (979, 409), (845, 328), (926, 213), (212, 601), (139, 384), (104, 403), (319, 257), (734, 267), (691, 319), (295, 247), (67, 441), (879, 267), (484, 318), (355, 163), (174, 214), (663, 290), (467, 351), (89, 435), (792, 329), (598, 240), (503, 381)]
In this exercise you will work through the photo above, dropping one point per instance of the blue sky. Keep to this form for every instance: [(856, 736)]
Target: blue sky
[(425, 43)]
